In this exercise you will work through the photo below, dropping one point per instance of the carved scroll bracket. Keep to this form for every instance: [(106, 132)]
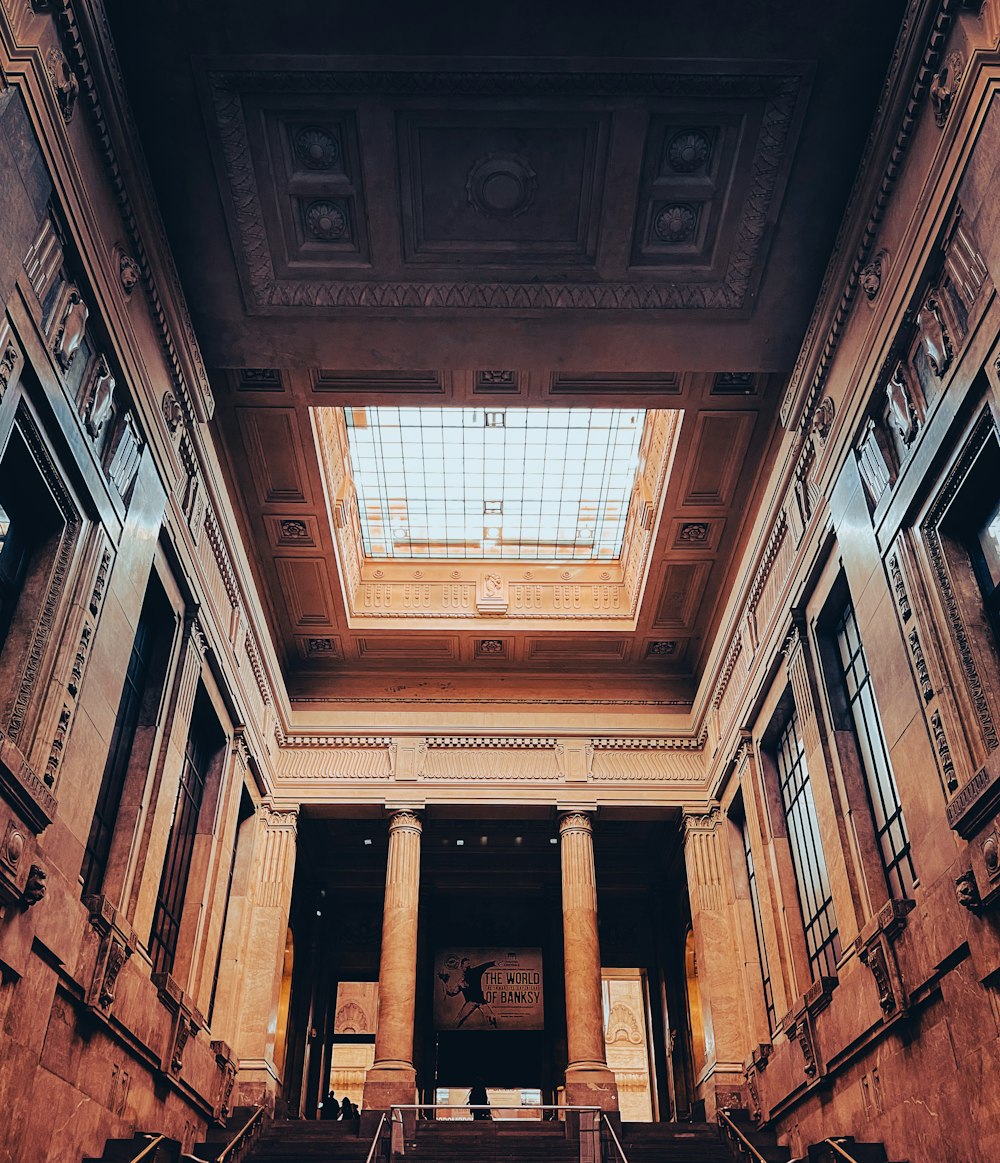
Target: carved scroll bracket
[(118, 941)]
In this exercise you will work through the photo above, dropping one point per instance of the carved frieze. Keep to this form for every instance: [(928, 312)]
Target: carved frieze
[(920, 666), (899, 588)]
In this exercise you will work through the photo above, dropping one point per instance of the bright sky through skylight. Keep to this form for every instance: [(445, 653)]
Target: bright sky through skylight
[(523, 484)]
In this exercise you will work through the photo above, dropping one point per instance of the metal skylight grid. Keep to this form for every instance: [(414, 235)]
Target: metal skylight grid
[(528, 484)]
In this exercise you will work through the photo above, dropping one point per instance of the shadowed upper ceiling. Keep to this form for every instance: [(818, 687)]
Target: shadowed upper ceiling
[(527, 206)]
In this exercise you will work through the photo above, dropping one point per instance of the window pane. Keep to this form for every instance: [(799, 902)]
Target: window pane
[(887, 812), (819, 917)]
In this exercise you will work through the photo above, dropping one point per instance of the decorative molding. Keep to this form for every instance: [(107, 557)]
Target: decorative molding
[(982, 432), (779, 94), (27, 683), (796, 406), (920, 666), (899, 588)]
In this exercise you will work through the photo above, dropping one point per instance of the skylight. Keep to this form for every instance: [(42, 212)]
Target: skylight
[(515, 484)]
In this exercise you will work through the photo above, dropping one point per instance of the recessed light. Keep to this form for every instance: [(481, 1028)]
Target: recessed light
[(484, 839), (319, 912), (459, 843), (518, 839), (368, 843), (553, 840)]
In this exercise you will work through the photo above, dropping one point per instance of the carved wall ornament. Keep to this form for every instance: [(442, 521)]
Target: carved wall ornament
[(326, 221), (118, 954), (496, 380), (72, 328), (100, 582), (675, 223), (920, 666), (967, 891), (490, 646), (8, 361), (12, 848), (693, 532), (944, 752), (501, 185), (64, 83), (128, 272), (991, 855), (661, 648), (320, 645), (35, 887), (944, 85), (734, 383), (823, 417), (317, 148), (803, 1034), (79, 661), (899, 588), (934, 336), (874, 957), (58, 745), (902, 414), (173, 413), (870, 278), (294, 530), (688, 151), (100, 400)]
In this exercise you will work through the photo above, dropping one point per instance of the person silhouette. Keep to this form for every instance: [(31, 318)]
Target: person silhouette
[(330, 1108), (478, 1097)]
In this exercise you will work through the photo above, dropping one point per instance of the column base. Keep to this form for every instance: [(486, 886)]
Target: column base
[(592, 1086), (387, 1086)]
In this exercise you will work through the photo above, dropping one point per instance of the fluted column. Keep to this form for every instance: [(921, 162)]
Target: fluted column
[(392, 1078), (259, 984), (589, 1081)]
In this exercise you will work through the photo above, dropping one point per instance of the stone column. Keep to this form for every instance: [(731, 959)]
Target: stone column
[(392, 1078), (267, 929), (717, 943), (589, 1081)]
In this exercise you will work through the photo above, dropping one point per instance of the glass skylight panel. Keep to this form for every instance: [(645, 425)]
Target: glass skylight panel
[(521, 484)]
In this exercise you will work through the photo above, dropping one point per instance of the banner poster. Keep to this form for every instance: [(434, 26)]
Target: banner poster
[(488, 989)]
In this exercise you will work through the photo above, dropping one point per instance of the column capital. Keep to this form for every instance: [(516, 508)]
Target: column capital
[(286, 818), (404, 819), (706, 821), (576, 820)]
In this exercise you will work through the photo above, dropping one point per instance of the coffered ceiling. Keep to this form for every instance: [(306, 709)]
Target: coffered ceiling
[(528, 205)]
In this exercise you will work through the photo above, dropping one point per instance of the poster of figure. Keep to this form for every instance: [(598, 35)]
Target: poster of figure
[(488, 989)]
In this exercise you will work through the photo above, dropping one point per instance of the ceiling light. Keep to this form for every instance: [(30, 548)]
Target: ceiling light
[(459, 843), (553, 840), (368, 843), (484, 839)]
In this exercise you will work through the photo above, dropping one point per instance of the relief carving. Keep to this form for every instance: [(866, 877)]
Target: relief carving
[(934, 336), (8, 361), (64, 83), (944, 752), (128, 272), (72, 328), (803, 1035), (118, 954), (79, 661), (944, 85), (967, 891), (902, 414), (920, 666), (173, 413), (101, 399), (899, 587), (823, 419), (870, 278), (874, 957), (117, 943), (35, 886)]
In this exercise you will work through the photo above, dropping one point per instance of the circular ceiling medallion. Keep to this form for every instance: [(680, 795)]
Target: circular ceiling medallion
[(688, 151), (501, 185), (317, 149), (675, 223), (326, 221)]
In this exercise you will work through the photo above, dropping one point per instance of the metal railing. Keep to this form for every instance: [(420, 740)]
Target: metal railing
[(243, 1138), (373, 1149), (736, 1136), (150, 1148), (837, 1147), (589, 1126), (606, 1122)]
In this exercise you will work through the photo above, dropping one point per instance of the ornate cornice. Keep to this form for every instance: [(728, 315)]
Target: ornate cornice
[(797, 408)]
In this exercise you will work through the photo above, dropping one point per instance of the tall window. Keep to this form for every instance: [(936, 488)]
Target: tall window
[(811, 877), (758, 927), (13, 562), (140, 687), (887, 812), (202, 743)]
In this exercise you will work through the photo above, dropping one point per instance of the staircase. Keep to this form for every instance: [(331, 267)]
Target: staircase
[(499, 1141)]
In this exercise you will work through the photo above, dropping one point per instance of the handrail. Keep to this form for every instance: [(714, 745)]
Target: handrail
[(611, 1128), (533, 1106), (374, 1146), (734, 1131), (154, 1142), (241, 1135), (839, 1150)]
